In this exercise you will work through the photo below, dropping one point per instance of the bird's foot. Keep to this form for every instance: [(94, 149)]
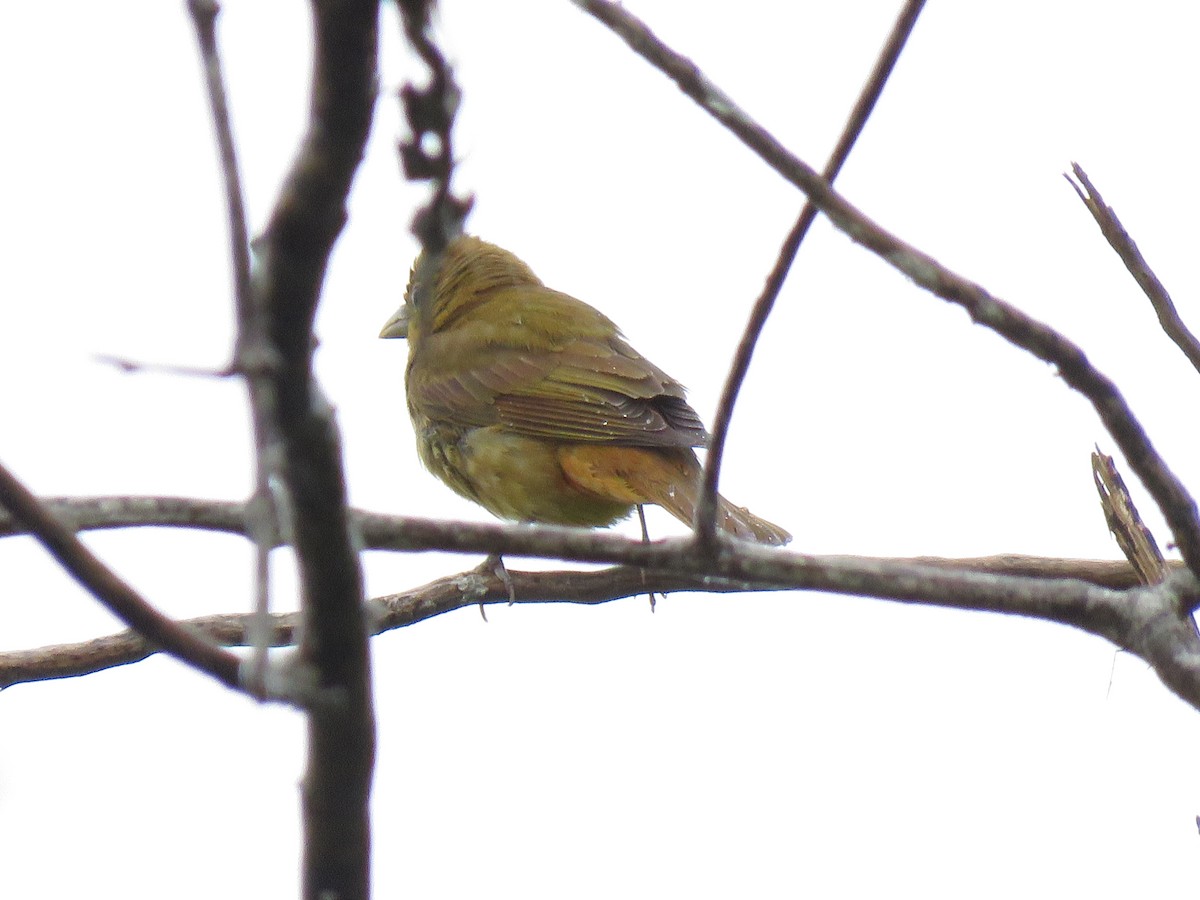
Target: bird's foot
[(645, 540), (494, 565)]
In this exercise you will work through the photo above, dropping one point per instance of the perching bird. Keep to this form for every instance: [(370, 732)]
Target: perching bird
[(530, 402)]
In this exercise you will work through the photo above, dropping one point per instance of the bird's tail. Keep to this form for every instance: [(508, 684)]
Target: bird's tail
[(669, 478)]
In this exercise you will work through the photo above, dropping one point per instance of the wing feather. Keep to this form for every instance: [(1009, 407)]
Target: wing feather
[(521, 371)]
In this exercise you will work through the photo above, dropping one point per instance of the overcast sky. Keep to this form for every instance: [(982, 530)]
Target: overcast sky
[(760, 746)]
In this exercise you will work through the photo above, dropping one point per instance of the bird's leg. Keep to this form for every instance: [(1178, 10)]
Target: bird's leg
[(495, 563), (645, 540)]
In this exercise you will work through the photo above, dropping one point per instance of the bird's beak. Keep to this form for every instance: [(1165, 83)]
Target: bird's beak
[(397, 325)]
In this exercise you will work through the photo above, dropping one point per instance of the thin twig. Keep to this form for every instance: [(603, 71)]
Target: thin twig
[(1119, 239), (264, 522), (111, 590), (1173, 498), (131, 365), (204, 19), (706, 507)]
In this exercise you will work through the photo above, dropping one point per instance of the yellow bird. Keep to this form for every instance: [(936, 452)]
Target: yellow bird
[(530, 402)]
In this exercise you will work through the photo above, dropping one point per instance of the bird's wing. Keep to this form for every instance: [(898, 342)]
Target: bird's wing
[(591, 390), (604, 391)]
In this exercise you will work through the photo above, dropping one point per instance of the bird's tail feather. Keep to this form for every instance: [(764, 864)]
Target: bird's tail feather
[(667, 478)]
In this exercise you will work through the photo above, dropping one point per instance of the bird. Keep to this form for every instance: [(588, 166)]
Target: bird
[(533, 405)]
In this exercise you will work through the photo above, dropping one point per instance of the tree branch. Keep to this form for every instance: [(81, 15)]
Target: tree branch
[(104, 513), (427, 154), (472, 588), (379, 531), (1119, 239), (1177, 504), (123, 601), (1124, 522), (204, 19), (389, 612), (1146, 622), (252, 344), (293, 255), (706, 507)]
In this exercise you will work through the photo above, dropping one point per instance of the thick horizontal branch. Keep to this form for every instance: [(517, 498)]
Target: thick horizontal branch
[(1151, 622), (387, 613), (1010, 589), (378, 531), (1145, 621), (101, 513)]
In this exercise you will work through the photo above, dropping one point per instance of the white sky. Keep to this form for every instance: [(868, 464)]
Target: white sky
[(759, 746)]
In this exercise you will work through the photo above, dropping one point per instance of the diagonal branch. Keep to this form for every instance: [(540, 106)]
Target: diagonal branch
[(706, 508), (1119, 239), (1176, 502), (106, 586)]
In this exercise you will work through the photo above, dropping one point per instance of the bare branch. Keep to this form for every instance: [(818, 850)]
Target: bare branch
[(1176, 502), (204, 19), (101, 513), (706, 507), (132, 365), (1119, 239), (389, 612), (87, 657), (485, 587), (107, 587), (380, 531), (427, 154), (275, 350), (59, 540), (252, 333), (1126, 525), (1147, 622)]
